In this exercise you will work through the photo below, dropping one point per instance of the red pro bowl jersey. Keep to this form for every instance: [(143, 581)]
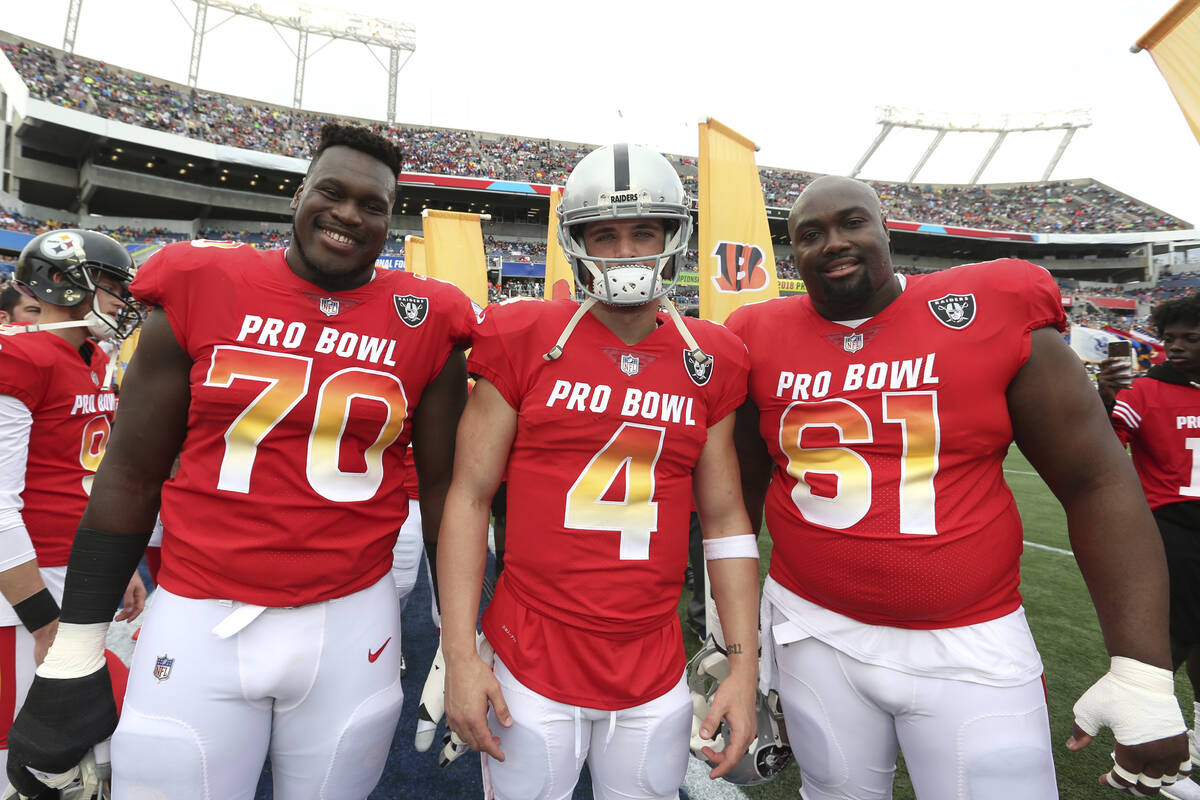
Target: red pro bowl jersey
[(72, 418), (1161, 423), (888, 502), (290, 485), (599, 492)]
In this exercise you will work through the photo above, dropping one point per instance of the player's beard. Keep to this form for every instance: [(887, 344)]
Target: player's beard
[(848, 294)]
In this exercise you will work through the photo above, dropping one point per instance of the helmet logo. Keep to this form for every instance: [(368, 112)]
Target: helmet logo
[(740, 267), (625, 196), (63, 245), (412, 310)]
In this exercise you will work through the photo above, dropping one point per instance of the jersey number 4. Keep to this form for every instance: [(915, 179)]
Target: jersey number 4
[(287, 382), (596, 504), (915, 413)]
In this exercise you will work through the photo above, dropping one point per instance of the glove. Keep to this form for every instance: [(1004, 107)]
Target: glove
[(61, 719), (433, 706)]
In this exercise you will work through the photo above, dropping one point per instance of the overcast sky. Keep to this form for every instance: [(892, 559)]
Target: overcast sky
[(802, 79)]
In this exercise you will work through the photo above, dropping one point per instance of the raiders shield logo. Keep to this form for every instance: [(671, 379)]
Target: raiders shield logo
[(329, 306), (853, 342), (699, 373), (954, 310), (412, 310), (629, 364)]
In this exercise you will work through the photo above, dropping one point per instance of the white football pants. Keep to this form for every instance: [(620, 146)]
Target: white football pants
[(637, 753), (961, 740), (316, 686)]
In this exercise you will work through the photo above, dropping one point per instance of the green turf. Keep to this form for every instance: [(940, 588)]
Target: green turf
[(1067, 634)]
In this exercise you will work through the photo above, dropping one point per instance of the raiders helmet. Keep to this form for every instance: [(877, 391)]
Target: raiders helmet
[(624, 181), (769, 752), (80, 257)]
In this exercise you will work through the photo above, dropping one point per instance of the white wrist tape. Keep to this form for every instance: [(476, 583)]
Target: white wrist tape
[(1137, 701), (77, 651), (743, 546)]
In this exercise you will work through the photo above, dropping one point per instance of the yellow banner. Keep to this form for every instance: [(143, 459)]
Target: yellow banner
[(124, 356), (560, 278), (1174, 43), (737, 261), (414, 255), (454, 251), (786, 285)]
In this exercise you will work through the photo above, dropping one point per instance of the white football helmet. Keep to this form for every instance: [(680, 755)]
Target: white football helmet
[(769, 752), (624, 181)]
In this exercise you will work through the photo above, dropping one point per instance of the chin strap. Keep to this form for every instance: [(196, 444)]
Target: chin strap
[(34, 327), (557, 350), (697, 354)]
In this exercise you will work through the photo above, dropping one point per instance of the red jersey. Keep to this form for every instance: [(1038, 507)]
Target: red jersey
[(888, 502), (72, 418), (1159, 417), (290, 485), (599, 491)]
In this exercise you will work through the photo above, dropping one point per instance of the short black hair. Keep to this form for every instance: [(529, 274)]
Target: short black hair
[(10, 298), (1182, 309), (364, 140)]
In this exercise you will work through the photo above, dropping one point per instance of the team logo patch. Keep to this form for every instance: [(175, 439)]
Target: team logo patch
[(629, 364), (162, 667), (329, 306), (412, 310), (62, 245), (699, 373), (741, 267), (954, 310), (853, 342)]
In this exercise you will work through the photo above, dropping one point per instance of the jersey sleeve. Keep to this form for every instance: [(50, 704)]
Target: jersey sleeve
[(490, 357), (21, 374), (164, 281), (731, 370), (1127, 413), (1043, 298)]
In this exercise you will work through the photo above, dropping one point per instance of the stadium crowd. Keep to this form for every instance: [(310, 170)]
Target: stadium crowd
[(1079, 206)]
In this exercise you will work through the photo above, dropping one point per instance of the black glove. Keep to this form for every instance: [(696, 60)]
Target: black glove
[(60, 720)]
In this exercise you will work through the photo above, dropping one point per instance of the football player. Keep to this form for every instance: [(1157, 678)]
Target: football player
[(16, 308), (56, 414), (606, 416), (289, 382), (1156, 417), (881, 425)]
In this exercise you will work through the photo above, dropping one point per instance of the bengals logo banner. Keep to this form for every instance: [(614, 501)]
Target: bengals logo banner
[(560, 278), (454, 251), (737, 260)]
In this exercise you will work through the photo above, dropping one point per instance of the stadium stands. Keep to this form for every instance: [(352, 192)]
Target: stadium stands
[(1077, 206)]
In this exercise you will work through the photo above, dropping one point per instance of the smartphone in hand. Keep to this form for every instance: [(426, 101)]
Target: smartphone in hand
[(1123, 349)]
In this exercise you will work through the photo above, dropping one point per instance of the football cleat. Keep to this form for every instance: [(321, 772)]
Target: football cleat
[(768, 753)]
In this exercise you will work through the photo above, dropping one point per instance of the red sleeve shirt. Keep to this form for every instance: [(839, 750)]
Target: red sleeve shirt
[(72, 418), (1161, 423), (888, 502), (599, 492), (290, 486)]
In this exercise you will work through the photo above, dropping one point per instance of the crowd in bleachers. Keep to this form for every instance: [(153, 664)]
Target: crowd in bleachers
[(114, 93)]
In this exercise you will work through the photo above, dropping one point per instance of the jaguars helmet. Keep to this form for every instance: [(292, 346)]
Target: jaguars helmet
[(80, 257), (624, 181), (769, 751)]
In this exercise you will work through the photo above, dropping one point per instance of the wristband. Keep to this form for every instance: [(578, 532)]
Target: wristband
[(1136, 700), (742, 546), (98, 573), (77, 651), (37, 611)]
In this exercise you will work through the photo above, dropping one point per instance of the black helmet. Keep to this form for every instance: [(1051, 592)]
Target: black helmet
[(79, 256)]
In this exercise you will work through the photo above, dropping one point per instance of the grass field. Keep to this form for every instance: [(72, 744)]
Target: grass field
[(1064, 626)]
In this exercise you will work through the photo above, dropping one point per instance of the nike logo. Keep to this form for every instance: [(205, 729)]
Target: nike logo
[(372, 656)]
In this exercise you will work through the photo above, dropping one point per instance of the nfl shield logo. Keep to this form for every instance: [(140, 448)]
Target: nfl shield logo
[(162, 668), (699, 373), (954, 310), (852, 343), (629, 364), (412, 309), (329, 306)]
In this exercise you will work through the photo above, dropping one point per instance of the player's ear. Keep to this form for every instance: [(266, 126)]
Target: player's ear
[(296, 196)]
